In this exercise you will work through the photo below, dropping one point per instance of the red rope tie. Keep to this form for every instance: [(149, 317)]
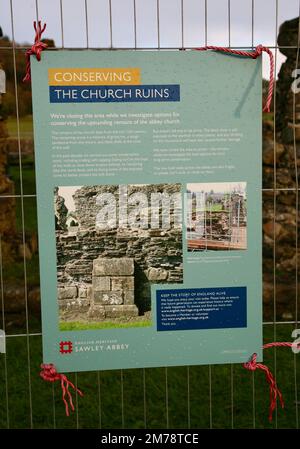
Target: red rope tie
[(251, 54), (36, 48), (275, 393), (50, 374)]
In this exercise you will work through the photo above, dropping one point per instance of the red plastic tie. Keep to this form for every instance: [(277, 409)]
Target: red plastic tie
[(50, 374), (275, 393), (36, 49), (251, 54)]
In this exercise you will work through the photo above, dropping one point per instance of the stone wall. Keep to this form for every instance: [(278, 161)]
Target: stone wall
[(156, 253), (60, 211)]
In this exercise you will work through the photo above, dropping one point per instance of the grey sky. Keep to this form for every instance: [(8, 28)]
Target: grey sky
[(75, 30)]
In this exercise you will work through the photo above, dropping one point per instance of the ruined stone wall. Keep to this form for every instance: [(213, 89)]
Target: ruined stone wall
[(287, 161), (157, 253)]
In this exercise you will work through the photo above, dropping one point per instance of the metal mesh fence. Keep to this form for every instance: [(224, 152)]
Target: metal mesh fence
[(223, 396)]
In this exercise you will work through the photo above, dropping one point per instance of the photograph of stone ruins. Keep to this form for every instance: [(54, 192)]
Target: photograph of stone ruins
[(218, 218), (105, 270)]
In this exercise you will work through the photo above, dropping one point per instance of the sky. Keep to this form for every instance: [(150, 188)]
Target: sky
[(81, 27), (67, 193)]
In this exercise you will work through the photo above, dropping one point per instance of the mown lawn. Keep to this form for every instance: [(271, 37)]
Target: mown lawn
[(106, 400), (215, 207)]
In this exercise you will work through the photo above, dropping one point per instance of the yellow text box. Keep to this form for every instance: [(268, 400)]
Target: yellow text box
[(93, 77)]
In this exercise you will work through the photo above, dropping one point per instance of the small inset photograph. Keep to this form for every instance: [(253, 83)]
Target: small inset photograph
[(216, 216), (112, 243)]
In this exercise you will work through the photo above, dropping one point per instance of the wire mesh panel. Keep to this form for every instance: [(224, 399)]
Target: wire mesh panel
[(223, 396)]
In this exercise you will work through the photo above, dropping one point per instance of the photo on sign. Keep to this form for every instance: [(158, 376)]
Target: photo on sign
[(216, 216), (112, 243)]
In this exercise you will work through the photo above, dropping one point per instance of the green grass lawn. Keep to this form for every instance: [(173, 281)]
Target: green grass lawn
[(215, 207), (28, 172), (25, 124), (106, 400), (14, 271), (78, 325), (30, 215), (268, 116)]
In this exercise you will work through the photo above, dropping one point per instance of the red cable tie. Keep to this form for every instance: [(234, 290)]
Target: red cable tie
[(36, 49), (251, 54), (50, 374), (275, 393)]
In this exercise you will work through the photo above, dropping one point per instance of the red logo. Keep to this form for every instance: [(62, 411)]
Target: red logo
[(65, 347)]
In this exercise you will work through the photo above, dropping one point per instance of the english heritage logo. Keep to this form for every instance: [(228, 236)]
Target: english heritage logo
[(66, 347)]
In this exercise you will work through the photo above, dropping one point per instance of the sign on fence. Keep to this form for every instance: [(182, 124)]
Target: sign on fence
[(149, 205)]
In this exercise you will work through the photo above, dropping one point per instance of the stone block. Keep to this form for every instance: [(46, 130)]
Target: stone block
[(75, 305), (101, 283), (156, 274), (62, 304), (123, 266), (96, 313), (90, 292), (82, 292), (122, 283), (124, 311), (108, 297), (67, 292), (129, 297)]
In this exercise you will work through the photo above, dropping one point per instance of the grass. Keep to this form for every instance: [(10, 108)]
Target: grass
[(79, 325), (28, 171), (14, 271), (218, 404), (26, 127), (30, 215), (215, 207)]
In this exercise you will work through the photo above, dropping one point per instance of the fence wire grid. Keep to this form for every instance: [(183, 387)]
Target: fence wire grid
[(221, 396)]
